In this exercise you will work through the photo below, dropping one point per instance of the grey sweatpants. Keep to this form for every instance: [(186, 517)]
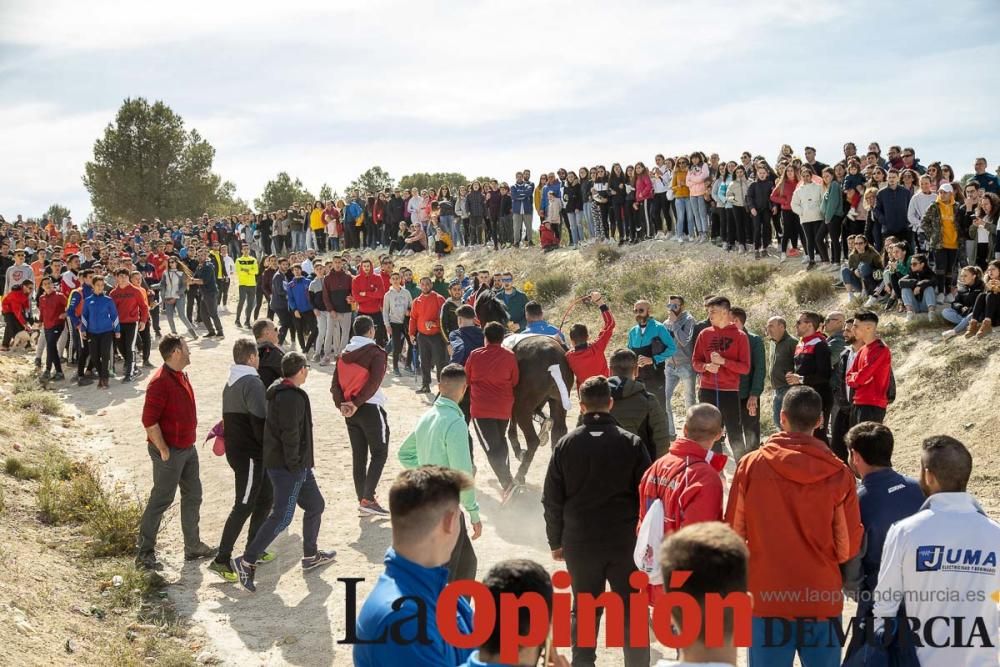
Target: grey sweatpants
[(179, 471)]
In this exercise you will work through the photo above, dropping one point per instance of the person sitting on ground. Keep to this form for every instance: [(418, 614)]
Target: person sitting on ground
[(862, 264), (959, 312), (417, 240), (918, 289), (516, 577), (588, 359), (427, 523), (986, 310)]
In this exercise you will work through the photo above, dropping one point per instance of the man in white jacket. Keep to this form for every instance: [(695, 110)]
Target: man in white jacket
[(919, 203), (942, 562)]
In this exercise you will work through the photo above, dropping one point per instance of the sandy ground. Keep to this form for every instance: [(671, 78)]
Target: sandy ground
[(294, 618)]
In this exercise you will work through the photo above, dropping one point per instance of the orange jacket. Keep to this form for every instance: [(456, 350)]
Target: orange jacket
[(425, 314), (796, 505)]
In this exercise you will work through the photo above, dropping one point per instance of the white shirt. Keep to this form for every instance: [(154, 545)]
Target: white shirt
[(942, 561)]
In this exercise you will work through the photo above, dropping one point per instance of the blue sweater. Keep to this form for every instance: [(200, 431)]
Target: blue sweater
[(298, 294), (891, 207), (75, 297), (404, 578), (641, 340), (885, 497), (543, 327), (99, 315), (464, 341), (522, 195)]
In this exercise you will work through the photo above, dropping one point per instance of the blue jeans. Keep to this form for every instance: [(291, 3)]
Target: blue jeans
[(820, 646), (779, 396), (675, 376), (575, 230), (855, 284), (699, 211), (290, 489), (683, 207), (299, 240), (961, 323), (921, 304)]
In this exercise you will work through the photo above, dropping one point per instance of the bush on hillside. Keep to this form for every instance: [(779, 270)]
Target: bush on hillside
[(549, 288), (606, 254), (751, 275), (812, 288), (18, 469), (39, 400)]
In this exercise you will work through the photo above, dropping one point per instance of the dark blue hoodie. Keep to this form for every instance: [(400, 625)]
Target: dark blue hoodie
[(298, 294), (464, 341)]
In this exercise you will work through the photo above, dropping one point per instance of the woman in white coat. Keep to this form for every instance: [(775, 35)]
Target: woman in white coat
[(807, 203)]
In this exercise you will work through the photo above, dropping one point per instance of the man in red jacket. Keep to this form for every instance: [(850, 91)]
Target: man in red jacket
[(425, 333), (721, 355), (133, 313), (686, 480), (588, 359), (492, 374), (795, 504), (868, 377), (52, 306), (368, 290)]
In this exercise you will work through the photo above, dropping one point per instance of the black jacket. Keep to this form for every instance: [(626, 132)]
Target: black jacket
[(394, 211), (243, 411), (591, 492), (759, 194), (813, 363), (288, 437), (638, 412), (923, 279), (269, 368), (966, 298), (573, 196)]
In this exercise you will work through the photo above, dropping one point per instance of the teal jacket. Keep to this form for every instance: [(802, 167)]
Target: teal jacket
[(441, 438), (752, 384), (832, 205), (515, 302)]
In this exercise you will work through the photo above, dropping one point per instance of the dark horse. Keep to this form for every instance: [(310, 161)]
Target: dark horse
[(536, 386)]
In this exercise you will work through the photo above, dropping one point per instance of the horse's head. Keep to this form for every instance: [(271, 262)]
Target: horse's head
[(490, 309)]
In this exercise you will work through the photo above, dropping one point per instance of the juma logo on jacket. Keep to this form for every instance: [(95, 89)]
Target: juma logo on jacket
[(936, 558)]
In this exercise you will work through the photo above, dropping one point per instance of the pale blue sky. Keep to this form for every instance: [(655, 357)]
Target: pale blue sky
[(324, 90)]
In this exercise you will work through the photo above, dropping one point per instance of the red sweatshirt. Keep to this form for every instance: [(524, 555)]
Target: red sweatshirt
[(18, 303), (492, 374), (869, 376), (51, 306), (131, 304), (425, 314), (587, 361), (733, 345), (374, 291), (783, 197)]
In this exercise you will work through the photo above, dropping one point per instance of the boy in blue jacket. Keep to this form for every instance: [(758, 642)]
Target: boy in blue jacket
[(300, 305), (99, 327)]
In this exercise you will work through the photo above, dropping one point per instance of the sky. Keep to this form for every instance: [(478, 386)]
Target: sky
[(324, 90)]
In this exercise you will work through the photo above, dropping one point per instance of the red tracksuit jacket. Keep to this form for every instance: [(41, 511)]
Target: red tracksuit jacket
[(589, 360), (869, 376), (733, 345), (492, 373)]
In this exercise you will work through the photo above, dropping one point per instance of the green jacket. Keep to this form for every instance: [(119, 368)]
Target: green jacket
[(441, 438), (752, 384), (782, 359), (832, 205)]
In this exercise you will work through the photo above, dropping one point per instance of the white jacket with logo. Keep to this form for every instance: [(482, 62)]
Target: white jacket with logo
[(806, 202), (942, 562)]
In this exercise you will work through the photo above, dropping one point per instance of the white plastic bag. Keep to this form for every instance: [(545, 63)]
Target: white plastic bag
[(647, 543)]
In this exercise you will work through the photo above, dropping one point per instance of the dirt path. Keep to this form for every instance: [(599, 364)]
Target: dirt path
[(292, 619)]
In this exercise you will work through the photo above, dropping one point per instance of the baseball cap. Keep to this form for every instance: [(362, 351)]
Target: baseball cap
[(945, 187)]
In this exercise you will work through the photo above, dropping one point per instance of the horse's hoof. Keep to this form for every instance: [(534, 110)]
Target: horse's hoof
[(518, 454), (543, 434)]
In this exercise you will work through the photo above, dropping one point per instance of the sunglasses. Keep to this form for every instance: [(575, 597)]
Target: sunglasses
[(507, 280)]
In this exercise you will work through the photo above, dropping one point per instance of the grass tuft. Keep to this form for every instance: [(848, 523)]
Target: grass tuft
[(549, 288), (812, 288), (18, 469), (39, 400), (606, 254)]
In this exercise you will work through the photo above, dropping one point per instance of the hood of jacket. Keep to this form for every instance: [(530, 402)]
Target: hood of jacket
[(359, 350), (238, 372), (625, 387), (800, 458), (279, 386)]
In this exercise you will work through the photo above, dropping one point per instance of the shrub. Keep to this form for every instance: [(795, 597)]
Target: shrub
[(113, 524), (18, 469), (751, 275), (607, 254), (39, 400), (136, 586), (550, 287), (812, 288)]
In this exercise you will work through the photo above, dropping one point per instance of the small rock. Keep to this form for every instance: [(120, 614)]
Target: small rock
[(968, 426), (162, 595), (24, 628), (206, 658), (288, 640), (117, 580), (131, 635), (197, 631), (17, 447), (70, 646)]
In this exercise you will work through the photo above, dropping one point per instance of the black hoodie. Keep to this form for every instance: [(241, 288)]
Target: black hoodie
[(269, 367), (288, 437)]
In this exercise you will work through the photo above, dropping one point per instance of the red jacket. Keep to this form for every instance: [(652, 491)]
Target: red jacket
[(131, 304), (51, 306), (425, 314), (733, 345), (643, 188), (386, 279), (783, 197), (587, 361), (796, 506), (170, 403), (547, 237), (374, 290), (18, 303), (492, 374), (869, 376)]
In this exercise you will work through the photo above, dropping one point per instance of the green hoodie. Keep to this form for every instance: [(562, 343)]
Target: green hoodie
[(441, 438)]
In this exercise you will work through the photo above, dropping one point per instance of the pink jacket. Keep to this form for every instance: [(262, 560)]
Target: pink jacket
[(643, 188), (696, 180)]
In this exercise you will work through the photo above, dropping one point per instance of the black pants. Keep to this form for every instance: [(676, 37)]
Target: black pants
[(284, 324), (590, 569), (144, 342), (368, 431), (154, 313), (209, 308), (223, 296), (835, 226), (52, 349), (812, 231), (825, 392), (433, 352), (100, 351), (463, 561), (398, 336), (248, 295), (492, 434), (380, 334), (840, 422), (866, 413), (254, 498), (307, 330), (126, 345), (83, 360), (790, 225), (659, 207), (945, 260), (11, 328), (194, 304), (728, 403), (750, 425), (652, 377), (762, 229)]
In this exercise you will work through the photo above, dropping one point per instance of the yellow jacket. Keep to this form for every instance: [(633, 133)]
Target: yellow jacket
[(316, 220), (246, 271)]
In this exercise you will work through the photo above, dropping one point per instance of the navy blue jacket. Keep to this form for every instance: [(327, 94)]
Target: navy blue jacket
[(522, 195), (279, 297), (464, 341), (890, 209), (207, 274), (885, 497), (298, 294)]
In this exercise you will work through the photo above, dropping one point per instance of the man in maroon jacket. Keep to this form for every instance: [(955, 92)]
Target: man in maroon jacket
[(337, 287), (492, 374), (367, 289), (721, 355), (869, 375), (170, 418)]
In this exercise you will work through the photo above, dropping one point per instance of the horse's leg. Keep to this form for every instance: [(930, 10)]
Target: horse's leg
[(523, 416), (515, 444), (557, 417)]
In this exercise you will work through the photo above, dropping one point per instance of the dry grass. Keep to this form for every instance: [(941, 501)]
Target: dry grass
[(812, 288), (18, 469)]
